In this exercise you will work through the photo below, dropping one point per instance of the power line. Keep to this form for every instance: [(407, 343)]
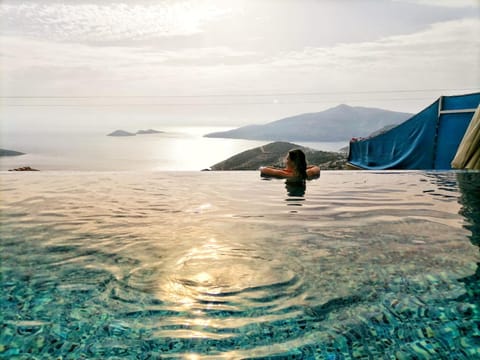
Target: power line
[(237, 95), (213, 104), (344, 99)]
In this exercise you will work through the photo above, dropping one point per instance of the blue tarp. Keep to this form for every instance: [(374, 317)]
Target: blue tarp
[(428, 140)]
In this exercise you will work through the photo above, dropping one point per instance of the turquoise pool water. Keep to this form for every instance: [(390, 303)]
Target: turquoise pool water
[(203, 265)]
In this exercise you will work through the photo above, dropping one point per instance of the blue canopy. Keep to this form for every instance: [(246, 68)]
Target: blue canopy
[(428, 140)]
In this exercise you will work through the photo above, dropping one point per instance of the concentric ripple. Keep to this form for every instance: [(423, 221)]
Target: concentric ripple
[(221, 294)]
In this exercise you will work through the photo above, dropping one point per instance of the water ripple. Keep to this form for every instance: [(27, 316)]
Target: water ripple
[(356, 265)]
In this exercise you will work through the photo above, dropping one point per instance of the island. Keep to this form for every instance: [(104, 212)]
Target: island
[(121, 133), (5, 152), (24, 168), (149, 131), (139, 132), (273, 154)]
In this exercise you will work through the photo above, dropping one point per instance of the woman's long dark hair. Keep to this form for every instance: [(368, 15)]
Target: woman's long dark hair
[(297, 156)]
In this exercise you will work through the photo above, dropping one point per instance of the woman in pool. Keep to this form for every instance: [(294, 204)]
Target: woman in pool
[(296, 168)]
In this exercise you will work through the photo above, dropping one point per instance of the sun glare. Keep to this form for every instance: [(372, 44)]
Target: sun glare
[(188, 17)]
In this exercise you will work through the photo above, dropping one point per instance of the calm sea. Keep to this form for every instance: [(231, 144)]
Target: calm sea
[(177, 149)]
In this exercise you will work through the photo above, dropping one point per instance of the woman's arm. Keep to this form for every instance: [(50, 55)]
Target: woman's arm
[(274, 172)]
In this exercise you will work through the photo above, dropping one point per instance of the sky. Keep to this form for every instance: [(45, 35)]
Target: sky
[(87, 63)]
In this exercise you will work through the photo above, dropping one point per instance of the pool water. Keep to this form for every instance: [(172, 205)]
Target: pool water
[(212, 265)]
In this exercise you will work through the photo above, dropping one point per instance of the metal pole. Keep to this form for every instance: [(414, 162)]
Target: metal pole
[(437, 127)]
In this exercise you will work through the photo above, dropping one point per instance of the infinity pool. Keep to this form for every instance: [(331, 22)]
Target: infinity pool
[(200, 265)]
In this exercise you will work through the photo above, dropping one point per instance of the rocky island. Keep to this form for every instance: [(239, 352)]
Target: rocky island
[(139, 132), (274, 153), (149, 131), (24, 168), (121, 133)]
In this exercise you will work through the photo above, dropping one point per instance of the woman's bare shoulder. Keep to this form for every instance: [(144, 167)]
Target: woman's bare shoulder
[(313, 172)]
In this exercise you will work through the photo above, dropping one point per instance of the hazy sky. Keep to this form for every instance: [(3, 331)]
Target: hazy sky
[(234, 62)]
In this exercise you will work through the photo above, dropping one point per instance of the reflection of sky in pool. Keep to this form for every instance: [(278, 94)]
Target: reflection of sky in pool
[(225, 265)]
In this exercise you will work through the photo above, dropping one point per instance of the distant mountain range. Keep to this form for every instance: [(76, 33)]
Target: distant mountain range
[(340, 123)]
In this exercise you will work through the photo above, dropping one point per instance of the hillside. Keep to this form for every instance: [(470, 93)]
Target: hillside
[(5, 152), (274, 153), (340, 123)]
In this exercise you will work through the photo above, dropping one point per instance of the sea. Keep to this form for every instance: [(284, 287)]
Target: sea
[(177, 148)]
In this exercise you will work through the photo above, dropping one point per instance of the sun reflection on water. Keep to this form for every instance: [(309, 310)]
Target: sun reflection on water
[(197, 276)]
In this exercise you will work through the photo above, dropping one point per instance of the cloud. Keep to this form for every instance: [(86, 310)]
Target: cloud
[(445, 55), (19, 54), (90, 22), (36, 67), (43, 53), (451, 46), (444, 3)]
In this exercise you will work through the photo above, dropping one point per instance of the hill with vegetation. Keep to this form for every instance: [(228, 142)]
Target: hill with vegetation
[(273, 154)]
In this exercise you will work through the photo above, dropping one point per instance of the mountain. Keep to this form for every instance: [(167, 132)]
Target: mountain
[(382, 130), (340, 123), (273, 154)]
